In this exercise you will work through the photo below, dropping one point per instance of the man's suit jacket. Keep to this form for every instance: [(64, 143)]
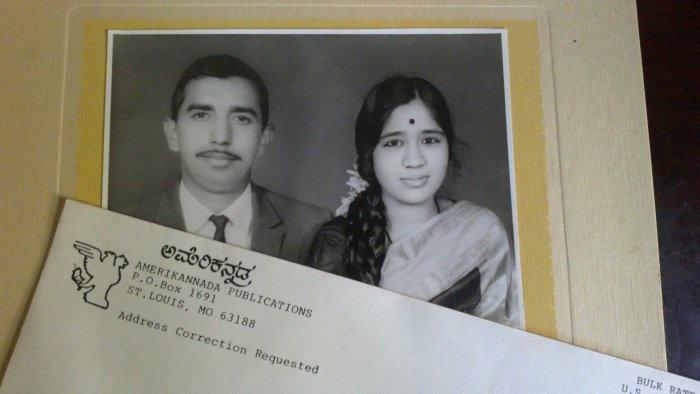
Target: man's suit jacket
[(282, 226)]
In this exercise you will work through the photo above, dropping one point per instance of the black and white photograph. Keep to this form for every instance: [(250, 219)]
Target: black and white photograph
[(384, 156)]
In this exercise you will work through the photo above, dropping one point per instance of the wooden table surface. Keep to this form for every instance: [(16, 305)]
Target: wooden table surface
[(670, 43)]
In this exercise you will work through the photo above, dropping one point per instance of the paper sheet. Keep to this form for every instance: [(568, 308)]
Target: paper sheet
[(128, 306)]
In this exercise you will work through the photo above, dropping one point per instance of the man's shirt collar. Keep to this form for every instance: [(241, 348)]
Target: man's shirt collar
[(196, 215)]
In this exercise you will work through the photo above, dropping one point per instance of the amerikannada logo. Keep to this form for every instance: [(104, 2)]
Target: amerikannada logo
[(99, 273)]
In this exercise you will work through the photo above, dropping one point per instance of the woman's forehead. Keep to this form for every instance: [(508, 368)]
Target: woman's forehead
[(412, 117)]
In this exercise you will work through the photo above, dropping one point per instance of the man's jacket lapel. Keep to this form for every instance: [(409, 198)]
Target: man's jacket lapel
[(267, 235), (169, 212)]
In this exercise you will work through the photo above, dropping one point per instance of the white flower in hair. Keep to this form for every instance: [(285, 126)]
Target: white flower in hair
[(357, 186)]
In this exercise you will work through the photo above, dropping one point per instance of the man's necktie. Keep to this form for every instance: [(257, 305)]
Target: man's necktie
[(220, 223)]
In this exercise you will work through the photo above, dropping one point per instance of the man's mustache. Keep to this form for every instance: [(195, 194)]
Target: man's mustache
[(218, 154)]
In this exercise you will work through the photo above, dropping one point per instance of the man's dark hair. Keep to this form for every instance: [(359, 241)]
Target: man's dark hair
[(219, 66)]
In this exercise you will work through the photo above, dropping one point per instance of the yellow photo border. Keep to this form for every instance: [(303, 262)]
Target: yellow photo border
[(527, 119)]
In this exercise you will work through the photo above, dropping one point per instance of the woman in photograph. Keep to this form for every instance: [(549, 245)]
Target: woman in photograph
[(397, 234)]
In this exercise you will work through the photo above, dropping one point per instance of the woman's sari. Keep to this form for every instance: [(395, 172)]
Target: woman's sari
[(461, 258)]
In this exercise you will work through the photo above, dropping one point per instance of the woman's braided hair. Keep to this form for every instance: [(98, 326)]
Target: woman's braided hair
[(367, 239)]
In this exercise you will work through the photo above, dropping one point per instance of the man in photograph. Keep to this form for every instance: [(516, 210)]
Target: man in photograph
[(219, 124)]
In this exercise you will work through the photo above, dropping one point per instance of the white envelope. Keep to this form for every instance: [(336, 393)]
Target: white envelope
[(128, 306)]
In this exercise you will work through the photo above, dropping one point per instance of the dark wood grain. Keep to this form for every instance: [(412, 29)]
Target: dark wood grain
[(670, 42)]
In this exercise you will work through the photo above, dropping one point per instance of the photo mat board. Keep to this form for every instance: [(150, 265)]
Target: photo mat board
[(316, 81), (530, 175), (602, 279)]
